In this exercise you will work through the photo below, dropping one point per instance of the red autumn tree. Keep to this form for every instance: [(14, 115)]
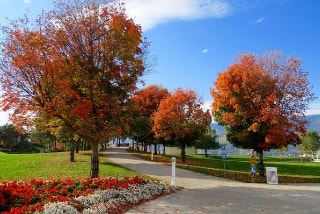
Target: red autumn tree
[(262, 101), (79, 63), (145, 102), (180, 118)]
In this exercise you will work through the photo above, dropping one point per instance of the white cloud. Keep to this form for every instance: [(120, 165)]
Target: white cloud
[(207, 105), (149, 13), (26, 1), (4, 117), (260, 20), (205, 50)]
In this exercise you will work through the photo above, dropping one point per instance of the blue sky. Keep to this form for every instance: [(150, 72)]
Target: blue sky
[(194, 40)]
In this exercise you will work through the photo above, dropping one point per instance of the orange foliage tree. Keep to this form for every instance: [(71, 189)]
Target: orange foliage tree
[(78, 63), (262, 101), (145, 102), (180, 118)]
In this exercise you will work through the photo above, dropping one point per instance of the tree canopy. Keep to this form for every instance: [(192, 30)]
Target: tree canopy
[(145, 102), (181, 118), (262, 101), (79, 63), (310, 142), (14, 140), (208, 141)]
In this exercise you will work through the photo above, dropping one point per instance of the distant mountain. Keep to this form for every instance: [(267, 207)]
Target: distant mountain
[(313, 124)]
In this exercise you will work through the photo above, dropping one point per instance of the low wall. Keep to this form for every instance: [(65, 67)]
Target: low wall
[(177, 150)]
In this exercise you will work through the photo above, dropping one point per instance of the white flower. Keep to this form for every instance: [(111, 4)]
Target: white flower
[(59, 208), (103, 200)]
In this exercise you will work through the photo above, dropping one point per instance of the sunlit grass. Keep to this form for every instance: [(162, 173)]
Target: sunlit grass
[(48, 166), (286, 166), (295, 166)]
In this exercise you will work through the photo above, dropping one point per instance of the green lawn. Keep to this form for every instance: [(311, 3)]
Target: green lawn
[(293, 166), (57, 165), (290, 169), (54, 166)]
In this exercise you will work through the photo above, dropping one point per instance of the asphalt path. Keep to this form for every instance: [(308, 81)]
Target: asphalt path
[(209, 194)]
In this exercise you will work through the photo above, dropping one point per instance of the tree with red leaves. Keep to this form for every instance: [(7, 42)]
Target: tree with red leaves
[(261, 101), (79, 63), (145, 102), (180, 118)]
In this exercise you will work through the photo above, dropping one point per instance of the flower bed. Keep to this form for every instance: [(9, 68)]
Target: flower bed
[(100, 195)]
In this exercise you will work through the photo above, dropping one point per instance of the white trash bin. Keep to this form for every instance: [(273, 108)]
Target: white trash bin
[(272, 175)]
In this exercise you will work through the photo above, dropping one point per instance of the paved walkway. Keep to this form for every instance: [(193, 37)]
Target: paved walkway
[(209, 194)]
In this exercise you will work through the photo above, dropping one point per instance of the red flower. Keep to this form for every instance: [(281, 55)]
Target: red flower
[(19, 197)]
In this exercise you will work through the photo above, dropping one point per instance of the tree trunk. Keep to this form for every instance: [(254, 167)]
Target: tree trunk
[(55, 144), (94, 173), (206, 152), (183, 152), (145, 147), (155, 149), (118, 140), (72, 145), (164, 149), (261, 163), (77, 146)]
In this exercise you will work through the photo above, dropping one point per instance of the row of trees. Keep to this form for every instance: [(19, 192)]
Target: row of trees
[(14, 140), (156, 116), (177, 118), (74, 70), (39, 141)]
